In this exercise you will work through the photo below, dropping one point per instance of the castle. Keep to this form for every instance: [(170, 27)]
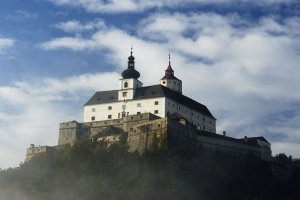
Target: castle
[(159, 113)]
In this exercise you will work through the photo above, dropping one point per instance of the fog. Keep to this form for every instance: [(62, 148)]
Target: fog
[(90, 171)]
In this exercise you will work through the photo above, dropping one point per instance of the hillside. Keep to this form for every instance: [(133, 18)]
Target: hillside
[(88, 170)]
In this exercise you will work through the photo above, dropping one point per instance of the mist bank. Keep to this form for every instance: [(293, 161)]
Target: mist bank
[(89, 171)]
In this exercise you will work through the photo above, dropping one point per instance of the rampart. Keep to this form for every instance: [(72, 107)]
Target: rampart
[(148, 132)]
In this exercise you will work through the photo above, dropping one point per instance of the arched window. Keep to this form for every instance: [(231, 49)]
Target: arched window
[(125, 84)]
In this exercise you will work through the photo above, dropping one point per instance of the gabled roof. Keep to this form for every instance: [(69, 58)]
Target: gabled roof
[(103, 97), (153, 91)]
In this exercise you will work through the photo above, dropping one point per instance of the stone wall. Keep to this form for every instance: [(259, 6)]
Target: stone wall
[(70, 132), (146, 132), (148, 136), (34, 151)]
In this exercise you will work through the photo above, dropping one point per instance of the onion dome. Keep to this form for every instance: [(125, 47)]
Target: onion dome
[(130, 72)]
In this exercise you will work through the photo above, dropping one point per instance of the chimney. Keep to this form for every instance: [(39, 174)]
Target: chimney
[(224, 133), (31, 145), (246, 139)]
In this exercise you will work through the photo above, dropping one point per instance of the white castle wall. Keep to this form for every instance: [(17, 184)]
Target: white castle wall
[(102, 111)]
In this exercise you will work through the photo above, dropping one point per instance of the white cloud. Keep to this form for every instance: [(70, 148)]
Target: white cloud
[(244, 72), (31, 112), (74, 26), (21, 15), (141, 5), (6, 43), (76, 44)]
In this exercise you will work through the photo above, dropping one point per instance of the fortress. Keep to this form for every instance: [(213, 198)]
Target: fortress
[(158, 114)]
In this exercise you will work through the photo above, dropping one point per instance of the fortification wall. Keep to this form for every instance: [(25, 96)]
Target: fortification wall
[(70, 132), (229, 146), (185, 136), (148, 136), (96, 127), (34, 151), (147, 132)]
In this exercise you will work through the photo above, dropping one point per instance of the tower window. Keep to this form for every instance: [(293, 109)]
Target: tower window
[(109, 117), (109, 107), (126, 85), (164, 82), (124, 94), (155, 111), (156, 103), (93, 118)]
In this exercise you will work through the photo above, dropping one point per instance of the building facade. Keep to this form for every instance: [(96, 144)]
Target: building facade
[(161, 100)]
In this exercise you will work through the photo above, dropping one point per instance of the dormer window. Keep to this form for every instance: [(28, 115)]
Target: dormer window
[(126, 85)]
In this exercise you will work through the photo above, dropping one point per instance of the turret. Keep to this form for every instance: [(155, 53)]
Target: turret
[(170, 81), (129, 81)]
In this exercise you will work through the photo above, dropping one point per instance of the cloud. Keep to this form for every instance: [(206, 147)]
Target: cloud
[(76, 44), (6, 43), (141, 5), (21, 15), (246, 72), (31, 112), (74, 26)]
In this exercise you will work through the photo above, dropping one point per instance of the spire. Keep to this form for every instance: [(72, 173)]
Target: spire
[(131, 60), (169, 70), (130, 72)]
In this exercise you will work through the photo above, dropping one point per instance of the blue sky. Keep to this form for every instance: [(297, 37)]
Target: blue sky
[(240, 58)]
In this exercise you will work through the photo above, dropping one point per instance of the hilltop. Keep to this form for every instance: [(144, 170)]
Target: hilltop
[(89, 170)]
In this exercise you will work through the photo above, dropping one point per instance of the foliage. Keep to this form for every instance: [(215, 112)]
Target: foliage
[(88, 170)]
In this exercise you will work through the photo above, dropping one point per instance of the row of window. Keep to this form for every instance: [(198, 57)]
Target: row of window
[(138, 105)]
